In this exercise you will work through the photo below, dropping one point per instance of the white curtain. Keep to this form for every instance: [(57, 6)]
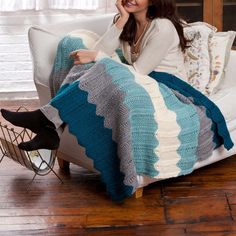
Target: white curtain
[(18, 5)]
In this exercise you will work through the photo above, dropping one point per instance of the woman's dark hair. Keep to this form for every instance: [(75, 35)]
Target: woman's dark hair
[(157, 9)]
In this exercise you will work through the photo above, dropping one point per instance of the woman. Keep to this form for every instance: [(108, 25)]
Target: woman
[(144, 27), (151, 37)]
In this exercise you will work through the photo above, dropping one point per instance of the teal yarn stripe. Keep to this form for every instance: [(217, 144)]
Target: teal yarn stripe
[(138, 101), (65, 47), (213, 112), (188, 144), (74, 109)]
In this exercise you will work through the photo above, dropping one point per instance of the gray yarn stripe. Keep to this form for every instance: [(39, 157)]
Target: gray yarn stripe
[(60, 78), (56, 80), (206, 144), (79, 70), (109, 101)]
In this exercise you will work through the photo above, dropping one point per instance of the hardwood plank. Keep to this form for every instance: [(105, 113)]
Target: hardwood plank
[(199, 189), (233, 212), (226, 233), (193, 210), (127, 216), (231, 195), (210, 227), (152, 230), (44, 220), (127, 231)]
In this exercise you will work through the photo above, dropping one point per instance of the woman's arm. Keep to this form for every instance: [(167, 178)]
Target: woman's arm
[(107, 44), (104, 47)]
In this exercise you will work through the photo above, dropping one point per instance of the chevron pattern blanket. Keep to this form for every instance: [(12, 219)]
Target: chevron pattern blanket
[(132, 124)]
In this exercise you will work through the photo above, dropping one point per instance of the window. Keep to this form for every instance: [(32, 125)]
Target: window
[(17, 5)]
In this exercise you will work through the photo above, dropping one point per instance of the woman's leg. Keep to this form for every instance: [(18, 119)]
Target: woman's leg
[(45, 122), (33, 120), (47, 138)]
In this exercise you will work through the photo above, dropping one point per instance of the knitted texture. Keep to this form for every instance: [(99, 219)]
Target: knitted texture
[(64, 62), (132, 124)]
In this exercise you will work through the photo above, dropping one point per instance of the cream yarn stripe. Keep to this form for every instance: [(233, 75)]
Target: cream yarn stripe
[(167, 132)]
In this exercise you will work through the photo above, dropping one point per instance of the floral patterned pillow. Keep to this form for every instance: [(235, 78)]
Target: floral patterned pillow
[(196, 56), (220, 45)]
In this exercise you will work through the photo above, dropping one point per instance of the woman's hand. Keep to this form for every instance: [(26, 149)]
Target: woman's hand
[(83, 56), (124, 15)]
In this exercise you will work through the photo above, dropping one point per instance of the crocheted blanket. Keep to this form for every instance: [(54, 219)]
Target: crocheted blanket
[(132, 124)]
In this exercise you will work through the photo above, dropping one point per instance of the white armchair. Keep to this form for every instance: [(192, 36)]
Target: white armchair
[(43, 44)]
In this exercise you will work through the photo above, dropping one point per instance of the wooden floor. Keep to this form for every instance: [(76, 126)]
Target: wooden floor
[(203, 203)]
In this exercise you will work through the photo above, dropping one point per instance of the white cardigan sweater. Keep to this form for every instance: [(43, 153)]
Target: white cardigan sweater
[(159, 51)]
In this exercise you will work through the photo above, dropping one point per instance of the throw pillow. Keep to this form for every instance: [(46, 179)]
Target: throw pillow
[(220, 45), (196, 56)]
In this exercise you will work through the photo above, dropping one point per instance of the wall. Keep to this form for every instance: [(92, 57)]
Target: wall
[(16, 78)]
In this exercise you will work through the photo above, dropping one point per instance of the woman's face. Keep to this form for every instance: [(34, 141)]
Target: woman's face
[(136, 6)]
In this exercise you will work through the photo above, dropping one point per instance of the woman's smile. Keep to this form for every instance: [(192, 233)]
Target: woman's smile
[(136, 6), (130, 4)]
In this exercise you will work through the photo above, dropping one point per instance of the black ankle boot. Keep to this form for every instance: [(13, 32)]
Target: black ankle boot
[(33, 120), (47, 138)]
